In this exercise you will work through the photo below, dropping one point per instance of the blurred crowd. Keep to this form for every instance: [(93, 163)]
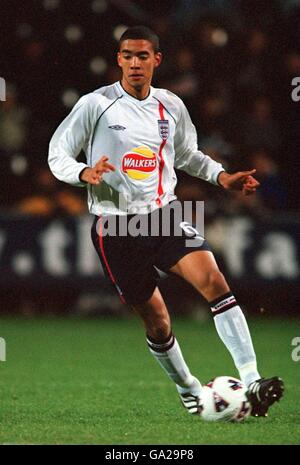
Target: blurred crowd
[(231, 61)]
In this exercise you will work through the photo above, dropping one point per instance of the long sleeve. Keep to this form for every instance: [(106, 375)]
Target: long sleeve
[(69, 139), (187, 156)]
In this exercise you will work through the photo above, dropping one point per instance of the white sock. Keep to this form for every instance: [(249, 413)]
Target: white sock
[(233, 330), (169, 356)]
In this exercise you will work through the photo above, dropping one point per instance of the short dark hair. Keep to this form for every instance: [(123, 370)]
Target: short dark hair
[(141, 32)]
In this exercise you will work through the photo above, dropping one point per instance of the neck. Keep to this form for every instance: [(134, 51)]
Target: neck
[(138, 92)]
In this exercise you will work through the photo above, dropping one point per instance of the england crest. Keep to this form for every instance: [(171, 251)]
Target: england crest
[(163, 128)]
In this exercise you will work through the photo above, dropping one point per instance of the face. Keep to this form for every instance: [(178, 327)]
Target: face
[(138, 61)]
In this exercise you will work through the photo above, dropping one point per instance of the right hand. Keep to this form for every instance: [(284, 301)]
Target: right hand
[(94, 175)]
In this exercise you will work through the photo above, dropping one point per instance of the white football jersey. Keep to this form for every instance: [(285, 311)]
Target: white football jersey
[(143, 139)]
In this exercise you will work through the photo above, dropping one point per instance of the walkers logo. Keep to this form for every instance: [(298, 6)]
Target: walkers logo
[(139, 163)]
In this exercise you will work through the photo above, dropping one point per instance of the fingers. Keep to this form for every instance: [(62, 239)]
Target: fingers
[(102, 160), (110, 167), (249, 187), (248, 173), (243, 175), (102, 166), (252, 182), (95, 179)]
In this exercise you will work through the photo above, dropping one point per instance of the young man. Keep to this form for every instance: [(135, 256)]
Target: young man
[(133, 136)]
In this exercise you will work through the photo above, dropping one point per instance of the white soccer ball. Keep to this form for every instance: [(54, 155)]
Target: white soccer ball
[(224, 399)]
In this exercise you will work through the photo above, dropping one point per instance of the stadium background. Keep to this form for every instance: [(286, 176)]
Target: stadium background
[(232, 62)]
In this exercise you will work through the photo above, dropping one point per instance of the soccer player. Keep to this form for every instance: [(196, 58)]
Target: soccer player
[(133, 136)]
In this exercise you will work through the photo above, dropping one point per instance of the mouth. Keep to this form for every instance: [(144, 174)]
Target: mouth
[(136, 76)]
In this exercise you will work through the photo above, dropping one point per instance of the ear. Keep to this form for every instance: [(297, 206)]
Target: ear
[(158, 59), (119, 59)]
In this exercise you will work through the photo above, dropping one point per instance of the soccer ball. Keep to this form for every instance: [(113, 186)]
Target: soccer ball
[(224, 399)]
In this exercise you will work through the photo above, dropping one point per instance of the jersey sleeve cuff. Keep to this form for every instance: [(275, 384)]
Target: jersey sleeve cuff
[(79, 182), (215, 177), (217, 180)]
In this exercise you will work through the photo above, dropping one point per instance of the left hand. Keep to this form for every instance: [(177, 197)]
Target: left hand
[(240, 181)]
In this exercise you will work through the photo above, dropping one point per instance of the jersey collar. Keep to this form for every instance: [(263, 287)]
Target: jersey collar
[(133, 99)]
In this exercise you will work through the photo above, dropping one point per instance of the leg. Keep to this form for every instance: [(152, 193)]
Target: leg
[(199, 268), (155, 317), (165, 348)]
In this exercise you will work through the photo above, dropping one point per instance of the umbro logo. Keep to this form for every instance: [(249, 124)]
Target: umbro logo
[(117, 127)]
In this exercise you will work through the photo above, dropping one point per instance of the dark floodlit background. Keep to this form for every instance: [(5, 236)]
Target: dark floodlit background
[(232, 62)]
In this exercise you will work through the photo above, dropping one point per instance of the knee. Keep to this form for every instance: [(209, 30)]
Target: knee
[(216, 281), (160, 329)]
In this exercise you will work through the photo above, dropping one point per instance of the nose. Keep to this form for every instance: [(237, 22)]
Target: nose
[(135, 62)]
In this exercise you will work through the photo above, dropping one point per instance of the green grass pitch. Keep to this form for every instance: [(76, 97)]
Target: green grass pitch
[(79, 381)]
